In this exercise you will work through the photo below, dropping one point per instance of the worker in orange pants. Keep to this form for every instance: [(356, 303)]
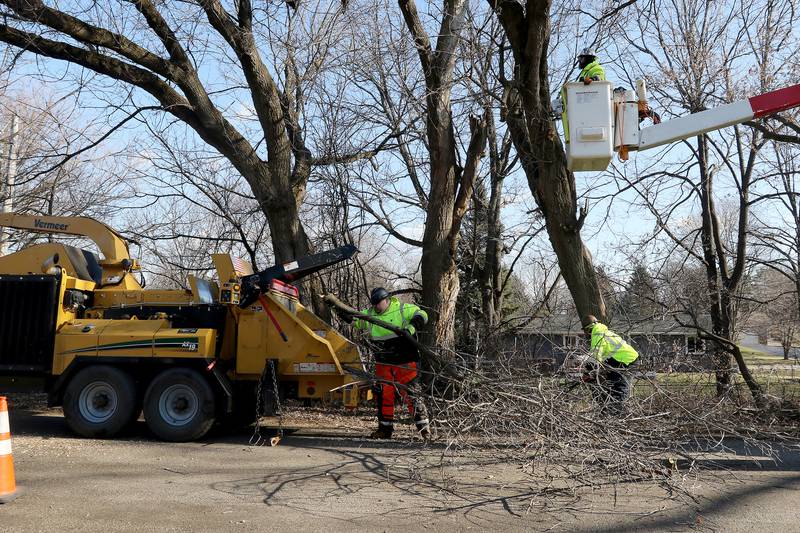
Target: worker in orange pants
[(400, 379), (396, 359)]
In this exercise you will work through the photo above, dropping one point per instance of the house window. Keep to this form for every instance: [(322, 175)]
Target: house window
[(694, 345), (571, 341)]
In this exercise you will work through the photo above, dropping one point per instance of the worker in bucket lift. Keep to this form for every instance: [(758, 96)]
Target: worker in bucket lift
[(396, 360), (611, 358), (591, 70)]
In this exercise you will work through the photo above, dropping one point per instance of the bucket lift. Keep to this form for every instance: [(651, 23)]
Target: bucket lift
[(601, 121)]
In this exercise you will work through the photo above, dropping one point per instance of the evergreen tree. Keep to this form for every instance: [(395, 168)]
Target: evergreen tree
[(640, 299)]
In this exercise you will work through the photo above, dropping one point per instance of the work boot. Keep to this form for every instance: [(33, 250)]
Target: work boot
[(383, 432), (425, 434)]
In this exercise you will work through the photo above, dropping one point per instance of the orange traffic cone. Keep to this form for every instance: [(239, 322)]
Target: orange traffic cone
[(8, 485)]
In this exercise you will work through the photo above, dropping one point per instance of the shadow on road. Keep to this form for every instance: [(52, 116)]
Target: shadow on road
[(32, 423), (50, 423), (398, 473), (709, 513), (431, 482)]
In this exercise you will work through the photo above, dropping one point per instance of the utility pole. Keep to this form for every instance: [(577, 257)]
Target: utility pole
[(11, 176)]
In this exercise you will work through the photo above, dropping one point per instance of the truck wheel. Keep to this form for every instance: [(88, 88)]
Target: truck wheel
[(100, 401), (179, 405)]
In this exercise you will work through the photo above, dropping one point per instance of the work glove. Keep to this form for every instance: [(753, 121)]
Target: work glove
[(418, 322), (587, 80)]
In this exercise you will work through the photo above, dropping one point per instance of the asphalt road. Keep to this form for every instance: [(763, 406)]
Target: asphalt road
[(333, 480)]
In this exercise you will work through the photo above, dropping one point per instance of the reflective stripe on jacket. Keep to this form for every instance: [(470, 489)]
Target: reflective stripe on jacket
[(607, 344)]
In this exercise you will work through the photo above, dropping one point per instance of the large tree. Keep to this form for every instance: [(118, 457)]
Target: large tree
[(528, 113), (408, 72), (451, 184), (164, 51)]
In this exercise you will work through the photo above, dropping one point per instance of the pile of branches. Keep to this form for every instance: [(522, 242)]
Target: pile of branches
[(553, 425)]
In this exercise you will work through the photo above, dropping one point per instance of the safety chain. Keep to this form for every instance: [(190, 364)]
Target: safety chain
[(257, 439), (279, 408)]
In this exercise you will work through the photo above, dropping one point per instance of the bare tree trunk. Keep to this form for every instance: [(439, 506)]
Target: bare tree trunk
[(451, 186), (528, 113), (720, 356), (289, 240), (451, 189), (490, 276), (440, 284), (574, 258), (440, 288), (723, 283), (553, 188), (750, 381)]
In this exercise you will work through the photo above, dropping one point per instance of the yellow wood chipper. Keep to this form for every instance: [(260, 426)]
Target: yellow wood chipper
[(108, 350)]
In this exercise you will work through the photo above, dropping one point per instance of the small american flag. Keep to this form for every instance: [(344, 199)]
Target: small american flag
[(242, 267)]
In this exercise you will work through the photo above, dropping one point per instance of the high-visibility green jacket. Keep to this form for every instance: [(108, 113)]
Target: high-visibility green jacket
[(594, 71), (608, 345), (391, 347)]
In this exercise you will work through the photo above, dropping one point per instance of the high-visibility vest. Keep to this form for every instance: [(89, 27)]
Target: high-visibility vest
[(398, 314), (607, 344), (593, 70)]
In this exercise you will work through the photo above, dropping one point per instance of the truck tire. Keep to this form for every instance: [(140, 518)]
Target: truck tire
[(179, 405), (100, 401)]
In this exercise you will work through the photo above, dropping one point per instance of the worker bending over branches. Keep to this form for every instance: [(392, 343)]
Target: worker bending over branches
[(611, 358), (396, 358)]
